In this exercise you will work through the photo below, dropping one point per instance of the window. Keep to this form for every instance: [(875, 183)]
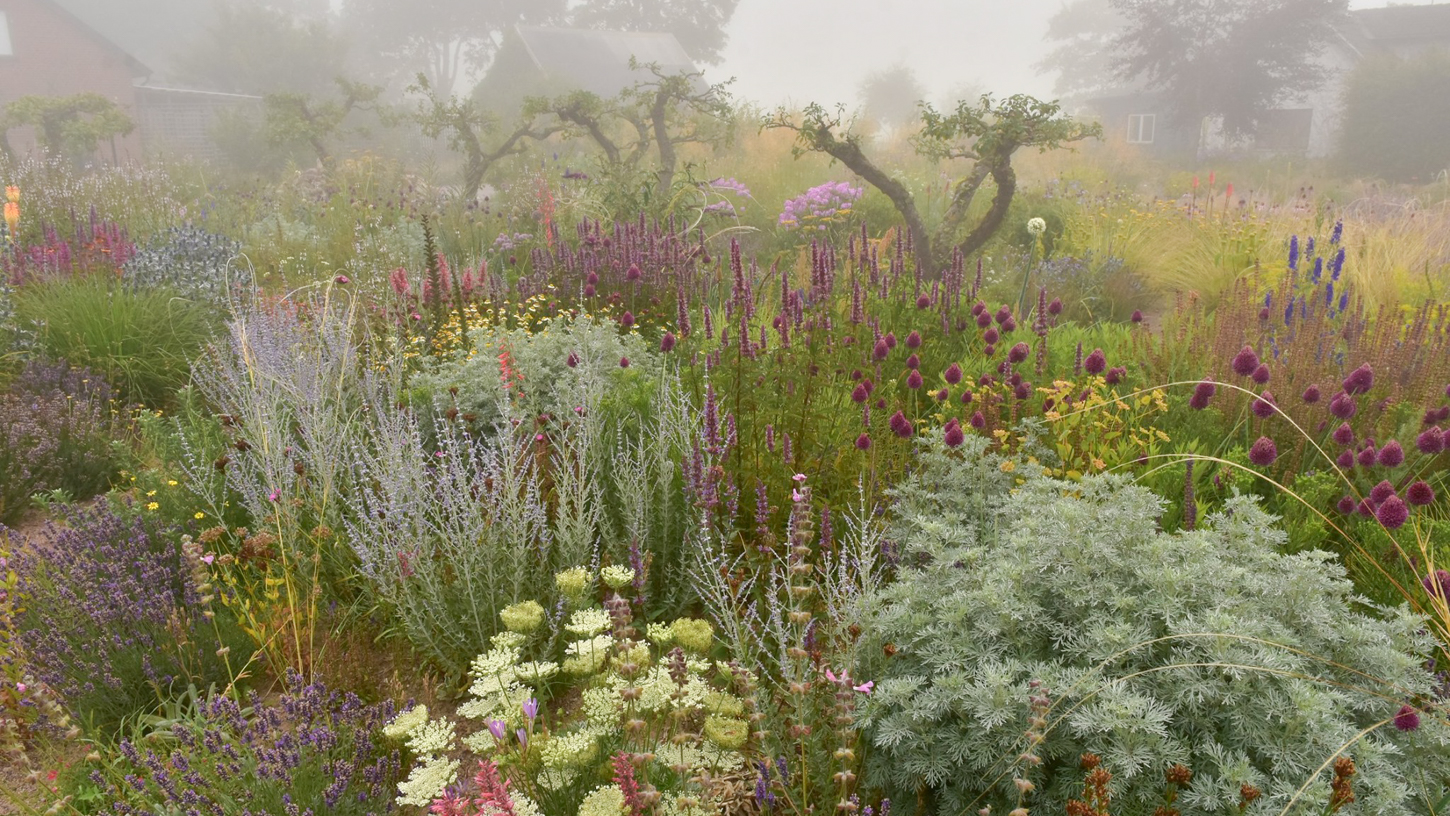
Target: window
[(1140, 128), (5, 49)]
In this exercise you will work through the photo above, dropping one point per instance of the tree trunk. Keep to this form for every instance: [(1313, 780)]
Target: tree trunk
[(1006, 179), (850, 155), (666, 146)]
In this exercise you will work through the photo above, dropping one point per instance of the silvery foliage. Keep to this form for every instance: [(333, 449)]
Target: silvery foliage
[(1209, 648), (189, 260), (292, 390), (451, 521)]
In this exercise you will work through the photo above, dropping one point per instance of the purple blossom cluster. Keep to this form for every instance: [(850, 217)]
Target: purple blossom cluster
[(113, 616), (820, 204), (312, 752)]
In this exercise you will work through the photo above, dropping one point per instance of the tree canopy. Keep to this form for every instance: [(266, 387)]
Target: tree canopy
[(258, 49)]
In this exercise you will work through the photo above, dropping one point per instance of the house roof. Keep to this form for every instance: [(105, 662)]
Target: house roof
[(138, 69), (598, 61), (150, 31)]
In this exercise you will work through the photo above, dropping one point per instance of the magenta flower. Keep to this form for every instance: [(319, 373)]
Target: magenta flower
[(954, 436), (1055, 307), (498, 728), (1365, 508), (880, 351), (1311, 394), (1345, 460), (1201, 395), (859, 394), (942, 395), (1344, 435), (979, 307), (990, 336), (923, 302), (953, 374), (1263, 453), (1393, 513), (1010, 325), (1022, 390), (900, 425), (633, 274), (1438, 584), (913, 341), (1137, 316), (1367, 456), (913, 362), (983, 319), (1343, 406), (667, 343), (1095, 362), (863, 442), (624, 362), (1261, 374), (966, 397), (1245, 362), (572, 360), (978, 421), (1018, 353), (1420, 494), (1360, 380), (627, 319), (989, 350), (1391, 455), (1264, 406), (890, 339), (531, 709), (1431, 441), (1346, 505), (1381, 492), (913, 380), (342, 279), (1407, 718), (1003, 314)]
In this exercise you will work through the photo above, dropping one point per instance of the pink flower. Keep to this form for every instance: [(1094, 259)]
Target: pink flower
[(274, 495)]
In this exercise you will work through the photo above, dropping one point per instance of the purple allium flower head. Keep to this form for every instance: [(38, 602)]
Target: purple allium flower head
[(1345, 460), (1311, 394), (624, 362), (1346, 505), (343, 279), (1009, 325), (989, 349), (572, 360), (984, 319), (1245, 362), (627, 319), (1420, 494), (1431, 442), (881, 403), (860, 393), (913, 341), (1018, 353), (1407, 718), (1263, 452), (1003, 314), (863, 442), (1437, 584), (1344, 435), (592, 279), (942, 395), (1381, 492), (1365, 508), (890, 339), (1367, 456), (1264, 313), (1055, 307), (1393, 513), (913, 362), (667, 343), (1264, 406), (900, 425), (1115, 375), (954, 436), (1022, 390), (1343, 406), (953, 374), (978, 308), (923, 302), (1261, 374), (967, 397), (881, 350), (633, 274), (1137, 316), (1359, 380), (1095, 362), (990, 336), (913, 380), (1391, 455), (1202, 393), (978, 421)]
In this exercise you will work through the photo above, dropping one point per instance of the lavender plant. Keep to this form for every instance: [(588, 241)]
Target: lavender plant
[(116, 617), (311, 751), (1027, 605)]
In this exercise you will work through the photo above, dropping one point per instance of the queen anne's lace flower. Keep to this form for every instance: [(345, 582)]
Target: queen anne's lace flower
[(427, 782), (406, 721), (606, 801), (588, 622)]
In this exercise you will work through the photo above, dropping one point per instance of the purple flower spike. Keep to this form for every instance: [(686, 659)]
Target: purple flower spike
[(1245, 362), (1420, 494), (1264, 406), (953, 374), (1344, 435), (1263, 453), (1407, 718), (1261, 374), (1343, 406), (1391, 455), (1095, 362), (1381, 492), (1202, 393), (1360, 380), (1311, 394), (1393, 513)]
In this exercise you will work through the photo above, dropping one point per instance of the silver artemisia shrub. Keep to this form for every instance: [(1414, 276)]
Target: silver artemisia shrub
[(1037, 621)]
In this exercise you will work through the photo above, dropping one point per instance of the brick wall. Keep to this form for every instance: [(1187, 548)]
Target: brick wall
[(54, 54)]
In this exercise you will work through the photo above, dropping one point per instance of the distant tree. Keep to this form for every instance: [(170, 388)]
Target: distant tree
[(988, 132), (318, 121), (69, 125), (1233, 59), (699, 25), (256, 49), (1085, 32), (445, 40), (890, 96), (1396, 117), (469, 130)]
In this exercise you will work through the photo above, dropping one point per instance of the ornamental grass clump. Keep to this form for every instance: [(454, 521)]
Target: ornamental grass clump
[(1207, 648)]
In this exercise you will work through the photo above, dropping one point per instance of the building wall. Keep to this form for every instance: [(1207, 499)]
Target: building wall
[(54, 55)]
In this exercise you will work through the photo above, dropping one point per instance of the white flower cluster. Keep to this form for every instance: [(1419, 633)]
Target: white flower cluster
[(430, 740), (588, 622)]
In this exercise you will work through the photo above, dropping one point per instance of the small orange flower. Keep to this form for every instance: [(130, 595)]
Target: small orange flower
[(12, 194), (12, 216)]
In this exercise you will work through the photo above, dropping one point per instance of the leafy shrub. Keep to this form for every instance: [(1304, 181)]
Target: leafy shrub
[(187, 260), (117, 616), (60, 433), (1395, 117), (140, 340), (1058, 608), (312, 751)]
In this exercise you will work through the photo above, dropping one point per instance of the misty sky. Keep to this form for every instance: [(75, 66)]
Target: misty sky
[(820, 50)]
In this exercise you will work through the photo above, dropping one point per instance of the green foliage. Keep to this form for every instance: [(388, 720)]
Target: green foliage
[(1210, 648), (142, 341), (298, 117), (69, 125), (1396, 117)]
